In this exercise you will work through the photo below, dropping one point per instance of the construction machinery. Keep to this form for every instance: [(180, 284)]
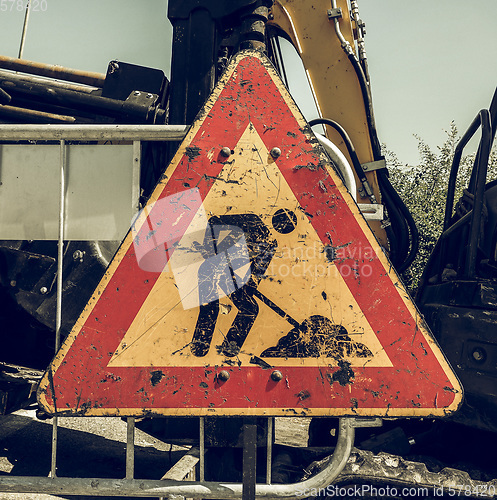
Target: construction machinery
[(52, 266)]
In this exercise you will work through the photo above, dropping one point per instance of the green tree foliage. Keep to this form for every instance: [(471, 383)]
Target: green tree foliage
[(424, 190)]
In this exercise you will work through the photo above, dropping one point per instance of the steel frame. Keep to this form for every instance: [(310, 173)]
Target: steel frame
[(190, 489)]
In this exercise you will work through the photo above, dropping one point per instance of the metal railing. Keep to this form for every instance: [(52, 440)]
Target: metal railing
[(92, 132), (476, 187)]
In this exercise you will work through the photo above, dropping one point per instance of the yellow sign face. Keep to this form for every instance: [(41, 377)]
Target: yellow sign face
[(300, 279), (250, 284)]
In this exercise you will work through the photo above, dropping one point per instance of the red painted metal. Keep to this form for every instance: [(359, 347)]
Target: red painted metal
[(420, 382)]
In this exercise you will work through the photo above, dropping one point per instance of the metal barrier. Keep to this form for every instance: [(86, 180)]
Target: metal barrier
[(166, 487)]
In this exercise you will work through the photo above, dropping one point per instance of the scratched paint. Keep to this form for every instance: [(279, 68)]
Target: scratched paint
[(341, 339)]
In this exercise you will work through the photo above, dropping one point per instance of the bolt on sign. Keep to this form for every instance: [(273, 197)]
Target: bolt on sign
[(250, 284)]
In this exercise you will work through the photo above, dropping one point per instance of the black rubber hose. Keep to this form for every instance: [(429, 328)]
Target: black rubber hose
[(406, 256), (399, 224), (366, 96), (350, 148), (402, 224), (397, 232), (406, 260), (392, 240), (386, 186)]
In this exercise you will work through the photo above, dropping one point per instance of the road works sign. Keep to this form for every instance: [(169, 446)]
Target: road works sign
[(250, 284)]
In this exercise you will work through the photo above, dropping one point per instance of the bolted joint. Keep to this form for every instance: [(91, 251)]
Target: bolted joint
[(335, 13), (78, 255), (226, 152), (223, 375)]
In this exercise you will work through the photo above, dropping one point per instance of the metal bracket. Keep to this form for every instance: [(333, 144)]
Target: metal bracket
[(367, 422), (374, 165), (139, 104), (334, 465), (335, 13), (371, 211)]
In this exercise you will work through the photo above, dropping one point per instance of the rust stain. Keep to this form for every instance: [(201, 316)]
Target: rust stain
[(354, 404), (192, 152), (156, 377), (344, 375), (304, 394)]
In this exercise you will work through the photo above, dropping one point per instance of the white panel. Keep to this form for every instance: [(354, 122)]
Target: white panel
[(100, 192)]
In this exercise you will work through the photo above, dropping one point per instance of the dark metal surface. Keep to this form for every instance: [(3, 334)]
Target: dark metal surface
[(130, 108), (206, 34), (458, 291), (123, 78), (253, 26), (249, 457), (463, 316), (28, 271), (195, 39), (181, 9)]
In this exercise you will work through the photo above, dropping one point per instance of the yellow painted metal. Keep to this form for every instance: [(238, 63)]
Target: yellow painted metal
[(332, 78)]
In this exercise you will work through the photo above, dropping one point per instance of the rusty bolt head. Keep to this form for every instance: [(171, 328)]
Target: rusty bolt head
[(479, 355), (226, 152), (276, 375), (113, 67), (43, 290), (275, 152), (78, 255), (223, 375)]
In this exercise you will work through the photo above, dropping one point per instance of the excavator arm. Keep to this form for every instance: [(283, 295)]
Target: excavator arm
[(329, 38)]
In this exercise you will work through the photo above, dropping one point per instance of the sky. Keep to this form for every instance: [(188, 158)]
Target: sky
[(431, 62)]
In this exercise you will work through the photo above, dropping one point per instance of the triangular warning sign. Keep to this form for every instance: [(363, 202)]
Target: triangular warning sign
[(250, 284)]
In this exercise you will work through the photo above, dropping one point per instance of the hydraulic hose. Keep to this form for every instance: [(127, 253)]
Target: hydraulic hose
[(352, 153), (414, 233), (365, 89), (403, 228), (396, 228)]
